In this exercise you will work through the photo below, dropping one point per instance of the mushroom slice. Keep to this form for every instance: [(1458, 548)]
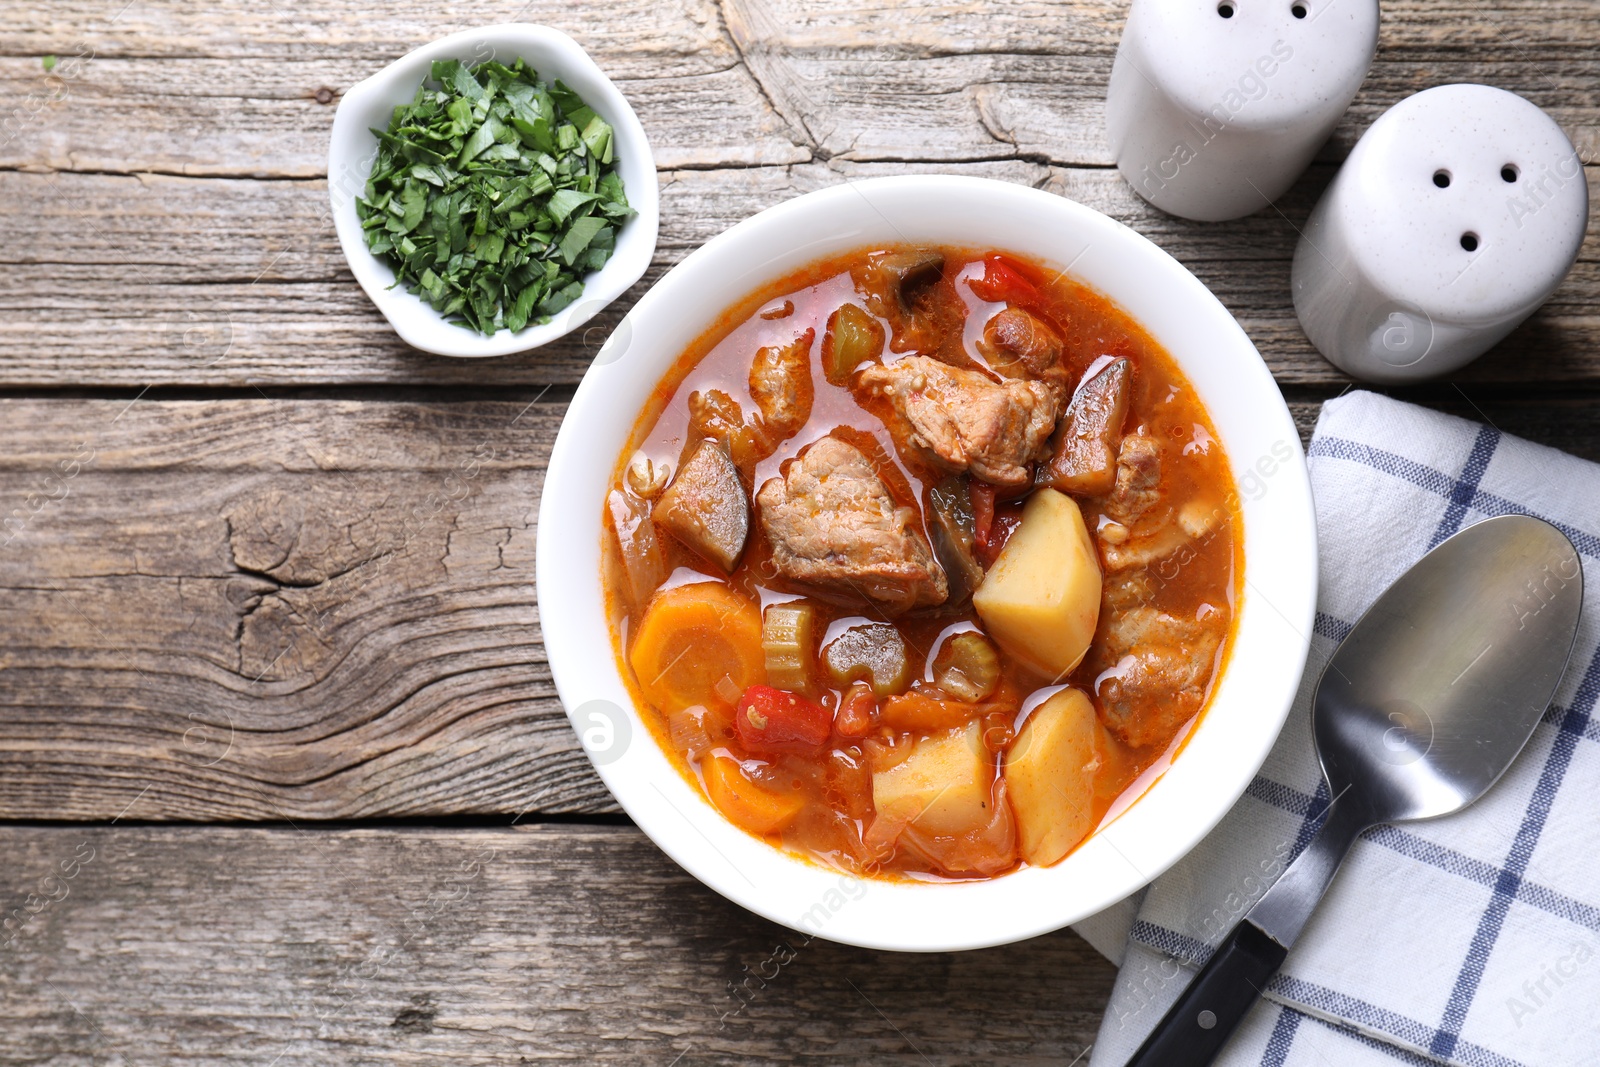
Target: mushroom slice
[(1083, 458), (706, 508), (912, 272)]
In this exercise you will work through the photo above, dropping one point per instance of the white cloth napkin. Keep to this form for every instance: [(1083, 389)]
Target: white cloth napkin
[(1471, 940)]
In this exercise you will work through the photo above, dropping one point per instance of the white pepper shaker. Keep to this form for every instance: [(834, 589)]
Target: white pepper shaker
[(1215, 107), (1457, 214)]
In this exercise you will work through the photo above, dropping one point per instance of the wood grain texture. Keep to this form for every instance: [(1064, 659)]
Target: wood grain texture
[(139, 279), (560, 944), (233, 88), (153, 279), (254, 609), (267, 610), (269, 117), (302, 609)]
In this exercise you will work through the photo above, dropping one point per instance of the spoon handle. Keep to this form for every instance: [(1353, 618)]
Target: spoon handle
[(1205, 1015), (1286, 908), (1197, 1026)]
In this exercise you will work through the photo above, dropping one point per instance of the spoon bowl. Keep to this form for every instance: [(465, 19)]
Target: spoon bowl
[(1423, 707), (1442, 681)]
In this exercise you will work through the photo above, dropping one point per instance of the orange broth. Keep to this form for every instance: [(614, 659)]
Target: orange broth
[(835, 782)]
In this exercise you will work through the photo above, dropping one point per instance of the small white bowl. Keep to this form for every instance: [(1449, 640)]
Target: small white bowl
[(353, 147), (1275, 611)]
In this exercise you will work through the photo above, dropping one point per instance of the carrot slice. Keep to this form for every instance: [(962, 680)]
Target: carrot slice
[(919, 712), (698, 644), (746, 804)]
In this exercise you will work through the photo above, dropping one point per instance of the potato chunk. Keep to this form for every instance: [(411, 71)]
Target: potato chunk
[(942, 787), (1050, 772), (1041, 599)]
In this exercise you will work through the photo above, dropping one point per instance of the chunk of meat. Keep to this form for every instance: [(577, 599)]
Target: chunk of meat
[(1124, 591), (836, 531), (780, 384), (959, 420), (1200, 517), (1153, 672), (1138, 484), (705, 507), (1018, 344), (1084, 454), (1146, 549), (716, 415), (1196, 521)]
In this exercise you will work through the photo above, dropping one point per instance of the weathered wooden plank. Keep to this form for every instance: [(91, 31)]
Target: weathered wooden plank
[(254, 609), (164, 280), (234, 89), (544, 944), (298, 610), (276, 609), (1030, 78), (248, 89), (271, 119), (654, 34)]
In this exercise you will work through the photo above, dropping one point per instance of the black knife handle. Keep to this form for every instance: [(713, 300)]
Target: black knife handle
[(1195, 1028)]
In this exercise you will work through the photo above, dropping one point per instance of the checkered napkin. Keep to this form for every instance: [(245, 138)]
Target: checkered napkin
[(1471, 940)]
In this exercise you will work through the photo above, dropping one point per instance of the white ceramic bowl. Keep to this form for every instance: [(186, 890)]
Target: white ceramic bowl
[(353, 147), (1275, 613)]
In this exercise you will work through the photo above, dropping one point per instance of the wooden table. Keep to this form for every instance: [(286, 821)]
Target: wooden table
[(283, 775)]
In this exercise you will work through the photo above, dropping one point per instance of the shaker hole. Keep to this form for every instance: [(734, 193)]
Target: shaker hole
[(1469, 241), (1441, 178), (1298, 11), (1509, 172), (1225, 9)]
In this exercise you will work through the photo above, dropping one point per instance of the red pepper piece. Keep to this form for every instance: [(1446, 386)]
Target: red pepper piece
[(1005, 281), (771, 718), (982, 496), (992, 523)]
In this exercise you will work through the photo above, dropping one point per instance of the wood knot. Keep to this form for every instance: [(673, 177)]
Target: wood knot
[(324, 95), (263, 532), (417, 1019)]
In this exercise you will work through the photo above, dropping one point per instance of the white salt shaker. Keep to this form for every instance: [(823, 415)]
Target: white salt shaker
[(1457, 214), (1216, 106)]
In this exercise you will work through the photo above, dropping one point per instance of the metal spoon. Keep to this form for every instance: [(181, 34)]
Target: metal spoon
[(1420, 711)]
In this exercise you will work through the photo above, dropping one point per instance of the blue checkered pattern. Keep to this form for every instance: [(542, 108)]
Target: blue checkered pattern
[(1471, 940)]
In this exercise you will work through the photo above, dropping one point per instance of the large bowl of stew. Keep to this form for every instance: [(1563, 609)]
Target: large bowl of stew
[(927, 563)]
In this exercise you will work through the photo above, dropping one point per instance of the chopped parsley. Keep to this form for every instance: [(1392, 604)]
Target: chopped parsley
[(493, 195)]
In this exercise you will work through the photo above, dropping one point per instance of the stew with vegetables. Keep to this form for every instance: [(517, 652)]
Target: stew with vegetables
[(922, 562)]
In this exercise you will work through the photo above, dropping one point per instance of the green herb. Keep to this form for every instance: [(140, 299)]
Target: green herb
[(49, 63), (493, 195)]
